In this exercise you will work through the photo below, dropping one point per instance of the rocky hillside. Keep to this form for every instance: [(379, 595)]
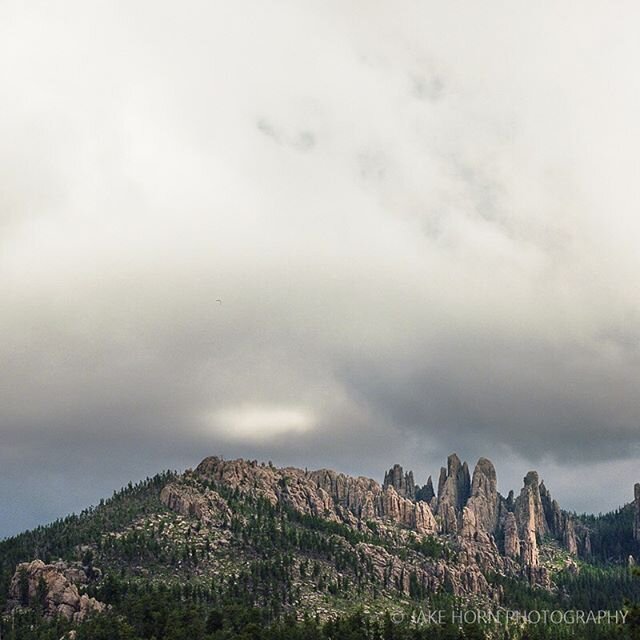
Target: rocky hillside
[(488, 531), (320, 543)]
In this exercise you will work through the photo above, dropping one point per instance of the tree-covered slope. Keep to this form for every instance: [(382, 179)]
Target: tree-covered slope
[(239, 549)]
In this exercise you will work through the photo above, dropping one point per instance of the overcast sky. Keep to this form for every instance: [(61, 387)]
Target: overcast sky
[(324, 233)]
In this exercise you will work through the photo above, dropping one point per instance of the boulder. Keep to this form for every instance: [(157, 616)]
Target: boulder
[(47, 585)]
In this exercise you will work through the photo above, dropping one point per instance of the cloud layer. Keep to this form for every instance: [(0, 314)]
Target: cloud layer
[(337, 234)]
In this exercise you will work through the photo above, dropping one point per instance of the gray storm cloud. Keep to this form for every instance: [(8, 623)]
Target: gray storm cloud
[(420, 221)]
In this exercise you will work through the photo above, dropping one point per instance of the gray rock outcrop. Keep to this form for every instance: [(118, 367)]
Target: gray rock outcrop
[(480, 514), (50, 586), (208, 506), (402, 482), (322, 493), (454, 488), (569, 537), (528, 508), (511, 537), (426, 492), (552, 512)]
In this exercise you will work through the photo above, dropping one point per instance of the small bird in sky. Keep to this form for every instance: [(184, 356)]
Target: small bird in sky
[(219, 301)]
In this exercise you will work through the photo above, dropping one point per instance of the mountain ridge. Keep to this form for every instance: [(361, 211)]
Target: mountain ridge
[(317, 541)]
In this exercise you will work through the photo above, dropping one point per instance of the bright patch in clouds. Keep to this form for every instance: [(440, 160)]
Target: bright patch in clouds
[(258, 423)]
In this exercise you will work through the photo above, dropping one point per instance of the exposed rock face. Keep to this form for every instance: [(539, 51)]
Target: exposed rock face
[(529, 515), (414, 515), (472, 510), (351, 500), (426, 493), (208, 506), (528, 508), (636, 511), (529, 548), (424, 520), (394, 572), (511, 538), (552, 512), (569, 535), (529, 525), (509, 501), (481, 511), (51, 584), (470, 528), (402, 482), (454, 488), (322, 493)]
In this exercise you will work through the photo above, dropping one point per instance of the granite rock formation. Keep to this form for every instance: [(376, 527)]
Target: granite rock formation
[(480, 514), (322, 493), (552, 511), (569, 537), (52, 586), (402, 482), (529, 509), (469, 511), (454, 488), (208, 506), (397, 535), (511, 537), (426, 493)]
